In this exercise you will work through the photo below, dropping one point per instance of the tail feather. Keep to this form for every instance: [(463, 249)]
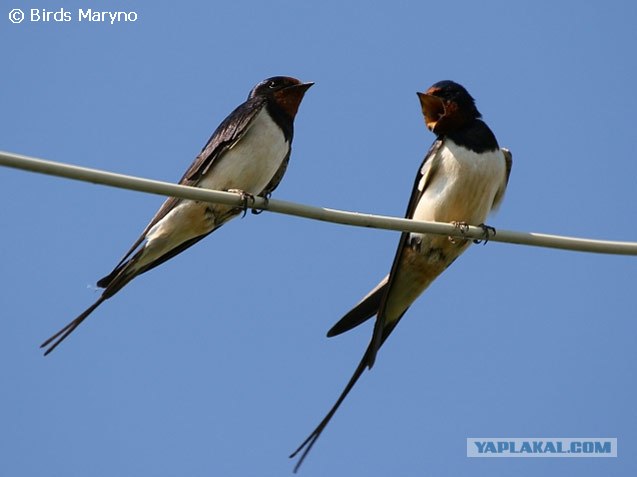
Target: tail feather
[(116, 283), (113, 283), (61, 335), (363, 311), (308, 443)]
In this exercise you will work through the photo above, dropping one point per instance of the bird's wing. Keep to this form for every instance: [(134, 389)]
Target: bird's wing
[(371, 303), (426, 174), (227, 134), (276, 179), (364, 310), (508, 159)]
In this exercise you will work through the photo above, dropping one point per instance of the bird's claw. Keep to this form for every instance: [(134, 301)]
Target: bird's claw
[(488, 233), (266, 198), (247, 200), (462, 227)]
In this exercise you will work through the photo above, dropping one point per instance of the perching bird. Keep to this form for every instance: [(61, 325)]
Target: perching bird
[(248, 152), (462, 179)]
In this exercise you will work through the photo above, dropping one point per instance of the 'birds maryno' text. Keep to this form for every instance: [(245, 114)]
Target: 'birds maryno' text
[(80, 15)]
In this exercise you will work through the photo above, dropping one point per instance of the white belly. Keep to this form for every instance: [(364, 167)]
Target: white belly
[(462, 189), (253, 161), (464, 186), (248, 166)]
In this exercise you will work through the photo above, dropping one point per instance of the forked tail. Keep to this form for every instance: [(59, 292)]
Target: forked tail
[(61, 335), (308, 443)]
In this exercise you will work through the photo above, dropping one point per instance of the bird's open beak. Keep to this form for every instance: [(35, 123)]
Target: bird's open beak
[(433, 108)]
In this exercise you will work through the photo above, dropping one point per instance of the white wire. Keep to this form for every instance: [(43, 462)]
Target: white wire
[(317, 213)]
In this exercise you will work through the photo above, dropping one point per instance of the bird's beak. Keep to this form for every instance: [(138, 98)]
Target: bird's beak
[(433, 108), (302, 86)]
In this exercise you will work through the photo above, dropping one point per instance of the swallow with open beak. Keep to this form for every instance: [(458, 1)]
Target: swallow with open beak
[(462, 179)]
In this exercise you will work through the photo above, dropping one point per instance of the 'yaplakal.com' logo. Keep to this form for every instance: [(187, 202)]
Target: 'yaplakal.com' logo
[(541, 447)]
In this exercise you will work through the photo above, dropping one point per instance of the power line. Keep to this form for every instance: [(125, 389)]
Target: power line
[(122, 181)]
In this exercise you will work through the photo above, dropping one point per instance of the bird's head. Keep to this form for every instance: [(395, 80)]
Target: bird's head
[(447, 106), (285, 91)]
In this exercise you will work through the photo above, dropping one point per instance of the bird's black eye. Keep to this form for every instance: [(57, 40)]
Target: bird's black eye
[(272, 84)]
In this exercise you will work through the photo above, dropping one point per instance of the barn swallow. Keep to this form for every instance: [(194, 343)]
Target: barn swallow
[(248, 152), (462, 178)]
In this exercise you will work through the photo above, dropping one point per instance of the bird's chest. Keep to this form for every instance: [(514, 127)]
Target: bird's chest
[(462, 187), (251, 163)]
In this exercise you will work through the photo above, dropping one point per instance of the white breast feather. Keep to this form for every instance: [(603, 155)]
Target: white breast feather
[(253, 161), (464, 185)]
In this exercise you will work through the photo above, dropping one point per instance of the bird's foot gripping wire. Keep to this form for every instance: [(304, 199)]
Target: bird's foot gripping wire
[(462, 227), (266, 198), (247, 200), (488, 233)]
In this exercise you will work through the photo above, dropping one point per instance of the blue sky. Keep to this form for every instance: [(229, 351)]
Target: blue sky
[(217, 362)]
